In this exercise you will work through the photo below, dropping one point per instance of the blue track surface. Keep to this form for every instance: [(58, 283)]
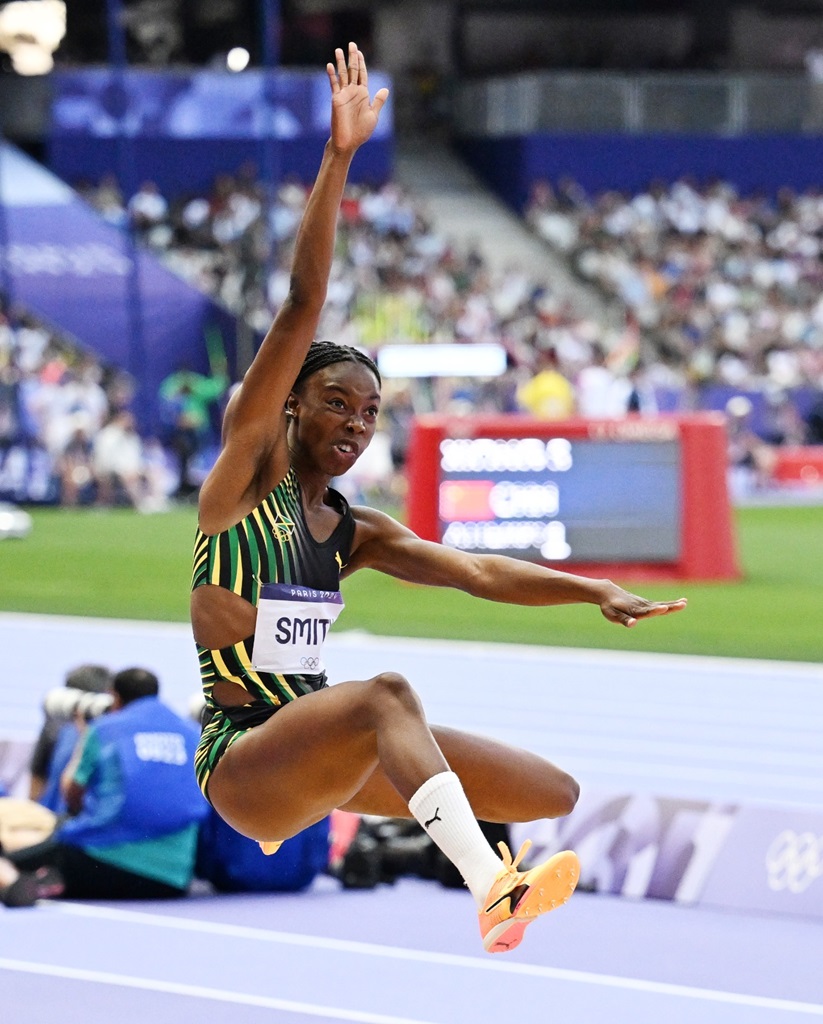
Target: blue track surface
[(409, 952), (699, 728)]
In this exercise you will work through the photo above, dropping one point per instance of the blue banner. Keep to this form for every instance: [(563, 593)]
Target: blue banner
[(182, 104), (84, 278), (182, 128)]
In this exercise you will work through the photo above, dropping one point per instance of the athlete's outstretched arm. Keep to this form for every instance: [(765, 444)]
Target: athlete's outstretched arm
[(254, 425), (384, 544)]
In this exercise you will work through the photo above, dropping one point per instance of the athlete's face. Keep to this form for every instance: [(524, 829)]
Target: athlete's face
[(334, 416)]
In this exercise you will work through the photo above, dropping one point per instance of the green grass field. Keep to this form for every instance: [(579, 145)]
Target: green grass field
[(124, 565)]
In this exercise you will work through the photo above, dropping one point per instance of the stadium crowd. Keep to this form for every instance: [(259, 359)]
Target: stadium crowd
[(716, 294), (66, 424), (725, 289), (714, 288)]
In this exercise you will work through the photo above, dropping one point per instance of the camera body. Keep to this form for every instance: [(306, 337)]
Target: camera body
[(66, 702), (385, 849)]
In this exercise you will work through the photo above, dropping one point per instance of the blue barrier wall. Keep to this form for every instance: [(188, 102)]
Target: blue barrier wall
[(629, 162), (183, 167)]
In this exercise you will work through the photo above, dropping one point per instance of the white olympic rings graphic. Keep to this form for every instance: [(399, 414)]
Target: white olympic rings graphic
[(794, 860)]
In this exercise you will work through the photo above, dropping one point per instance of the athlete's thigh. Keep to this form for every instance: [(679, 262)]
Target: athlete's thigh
[(310, 756), (503, 783)]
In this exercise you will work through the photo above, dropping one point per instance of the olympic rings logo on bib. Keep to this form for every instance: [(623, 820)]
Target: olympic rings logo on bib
[(312, 663)]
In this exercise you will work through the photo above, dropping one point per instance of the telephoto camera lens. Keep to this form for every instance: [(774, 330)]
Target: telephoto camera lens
[(66, 702)]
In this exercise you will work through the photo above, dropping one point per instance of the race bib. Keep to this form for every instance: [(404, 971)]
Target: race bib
[(292, 623)]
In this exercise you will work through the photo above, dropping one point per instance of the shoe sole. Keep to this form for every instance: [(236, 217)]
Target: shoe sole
[(29, 888), (549, 886)]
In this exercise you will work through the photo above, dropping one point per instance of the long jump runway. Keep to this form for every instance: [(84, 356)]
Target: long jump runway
[(695, 728), (408, 953)]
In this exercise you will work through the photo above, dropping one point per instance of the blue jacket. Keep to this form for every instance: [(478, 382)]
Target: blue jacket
[(141, 782)]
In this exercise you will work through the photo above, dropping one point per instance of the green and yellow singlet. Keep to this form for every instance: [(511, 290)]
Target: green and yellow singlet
[(272, 544)]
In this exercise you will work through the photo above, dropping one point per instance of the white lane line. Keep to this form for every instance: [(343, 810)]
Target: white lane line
[(438, 959), (202, 992)]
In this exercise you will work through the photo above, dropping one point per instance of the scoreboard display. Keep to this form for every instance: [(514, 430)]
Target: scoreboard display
[(647, 494)]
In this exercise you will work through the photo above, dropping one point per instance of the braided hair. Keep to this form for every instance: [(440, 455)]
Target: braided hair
[(325, 353)]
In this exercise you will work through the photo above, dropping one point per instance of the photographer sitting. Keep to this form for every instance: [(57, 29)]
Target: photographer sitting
[(87, 691), (135, 808)]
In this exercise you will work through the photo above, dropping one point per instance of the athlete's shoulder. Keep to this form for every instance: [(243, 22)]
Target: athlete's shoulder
[(374, 521), (372, 532)]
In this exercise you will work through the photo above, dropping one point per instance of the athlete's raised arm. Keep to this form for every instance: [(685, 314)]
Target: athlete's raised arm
[(254, 435)]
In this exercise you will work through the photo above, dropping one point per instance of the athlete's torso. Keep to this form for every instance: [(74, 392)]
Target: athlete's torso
[(272, 544)]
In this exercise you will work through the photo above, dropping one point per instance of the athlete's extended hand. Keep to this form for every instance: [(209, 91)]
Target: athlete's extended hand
[(353, 116), (625, 609)]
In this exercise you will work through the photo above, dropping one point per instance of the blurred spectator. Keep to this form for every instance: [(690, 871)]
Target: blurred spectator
[(545, 216), (783, 424), (56, 730), (814, 422), (148, 212), (74, 465), (187, 399), (118, 462), (10, 425), (398, 414), (159, 474), (813, 60), (548, 395), (107, 199), (751, 459), (597, 390), (136, 808), (640, 396)]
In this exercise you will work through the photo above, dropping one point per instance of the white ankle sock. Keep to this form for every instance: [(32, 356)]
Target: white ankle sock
[(441, 807)]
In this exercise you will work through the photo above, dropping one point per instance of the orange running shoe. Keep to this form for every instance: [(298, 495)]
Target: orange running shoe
[(518, 897), (270, 848)]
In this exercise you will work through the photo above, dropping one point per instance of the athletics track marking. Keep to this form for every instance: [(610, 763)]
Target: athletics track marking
[(374, 950)]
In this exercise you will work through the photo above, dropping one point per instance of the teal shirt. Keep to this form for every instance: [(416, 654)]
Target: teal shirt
[(168, 858), (194, 393)]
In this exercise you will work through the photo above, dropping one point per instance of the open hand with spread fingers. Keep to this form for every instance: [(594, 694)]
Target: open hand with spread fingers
[(354, 114), (626, 609)]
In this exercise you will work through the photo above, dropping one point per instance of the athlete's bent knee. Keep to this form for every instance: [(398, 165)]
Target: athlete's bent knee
[(392, 687), (567, 791)]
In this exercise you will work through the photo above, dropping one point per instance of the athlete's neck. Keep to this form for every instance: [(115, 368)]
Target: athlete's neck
[(314, 486)]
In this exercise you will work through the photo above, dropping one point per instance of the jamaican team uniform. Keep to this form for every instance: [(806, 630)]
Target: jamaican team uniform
[(271, 559)]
